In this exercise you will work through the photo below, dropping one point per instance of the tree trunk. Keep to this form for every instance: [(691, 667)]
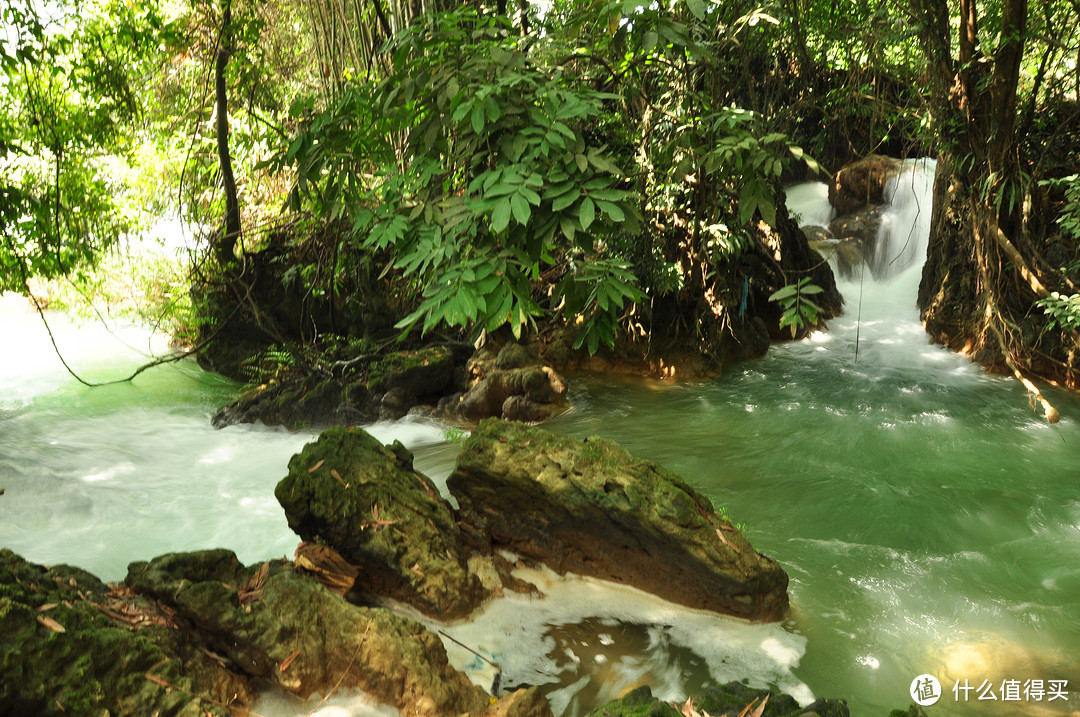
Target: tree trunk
[(978, 287), (230, 232)]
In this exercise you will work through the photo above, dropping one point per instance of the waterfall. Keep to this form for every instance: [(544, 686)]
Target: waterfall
[(880, 324), (905, 222)]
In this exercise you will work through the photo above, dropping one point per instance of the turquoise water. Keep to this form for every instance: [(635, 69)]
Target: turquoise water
[(928, 517)]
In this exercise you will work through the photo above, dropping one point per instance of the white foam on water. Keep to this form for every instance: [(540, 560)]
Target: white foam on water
[(343, 703), (590, 641)]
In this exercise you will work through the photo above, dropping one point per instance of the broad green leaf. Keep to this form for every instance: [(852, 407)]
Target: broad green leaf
[(612, 210), (532, 197), (648, 41), (478, 119), (491, 107), (566, 224), (557, 190), (500, 216), (521, 209), (586, 213), (785, 292), (566, 200)]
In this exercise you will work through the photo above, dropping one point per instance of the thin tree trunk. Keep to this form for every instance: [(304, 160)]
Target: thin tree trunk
[(230, 233)]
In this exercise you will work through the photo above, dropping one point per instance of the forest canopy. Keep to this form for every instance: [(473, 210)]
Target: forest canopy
[(615, 169)]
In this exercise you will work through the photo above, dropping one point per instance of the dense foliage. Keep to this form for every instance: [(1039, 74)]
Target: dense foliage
[(609, 166), (71, 101)]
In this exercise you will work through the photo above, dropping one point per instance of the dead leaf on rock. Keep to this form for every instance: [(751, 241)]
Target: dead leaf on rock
[(289, 660), (337, 476), (725, 541), (254, 585), (758, 711), (375, 522), (47, 606), (316, 466), (50, 623), (689, 711)]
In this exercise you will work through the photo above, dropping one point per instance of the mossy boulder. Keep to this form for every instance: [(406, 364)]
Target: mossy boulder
[(510, 382), (729, 699), (365, 500), (862, 183), (70, 644), (589, 507), (355, 385), (273, 623)]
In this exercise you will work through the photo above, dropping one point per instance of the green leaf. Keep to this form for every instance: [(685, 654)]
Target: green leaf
[(566, 224), (500, 216), (586, 213), (491, 107), (648, 41), (478, 119), (521, 209), (697, 7), (612, 210), (787, 291), (566, 200)]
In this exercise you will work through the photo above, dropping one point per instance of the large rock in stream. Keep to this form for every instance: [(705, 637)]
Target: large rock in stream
[(365, 500), (589, 507), (195, 634), (69, 644)]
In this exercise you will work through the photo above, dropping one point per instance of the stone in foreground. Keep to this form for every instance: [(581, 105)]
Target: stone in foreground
[(365, 500), (591, 508), (729, 699)]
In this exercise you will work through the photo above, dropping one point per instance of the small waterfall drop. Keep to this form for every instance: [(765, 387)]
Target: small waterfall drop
[(880, 323), (905, 222)]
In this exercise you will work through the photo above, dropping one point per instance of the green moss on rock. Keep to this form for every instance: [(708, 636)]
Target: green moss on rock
[(289, 629), (589, 507), (729, 699), (97, 665), (364, 499)]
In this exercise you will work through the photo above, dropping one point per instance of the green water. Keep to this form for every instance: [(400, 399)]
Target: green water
[(928, 517), (927, 527)]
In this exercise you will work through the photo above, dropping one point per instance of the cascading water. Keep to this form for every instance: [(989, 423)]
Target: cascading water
[(929, 520)]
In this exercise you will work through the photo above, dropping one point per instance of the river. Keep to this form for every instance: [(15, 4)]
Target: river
[(928, 517)]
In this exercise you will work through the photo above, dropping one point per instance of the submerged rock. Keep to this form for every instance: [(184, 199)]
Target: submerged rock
[(365, 500), (591, 508), (729, 699)]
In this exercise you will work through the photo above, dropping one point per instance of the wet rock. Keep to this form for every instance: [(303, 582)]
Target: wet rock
[(862, 183), (360, 386), (71, 645), (273, 623), (637, 703), (512, 384), (591, 508), (364, 499), (729, 699)]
